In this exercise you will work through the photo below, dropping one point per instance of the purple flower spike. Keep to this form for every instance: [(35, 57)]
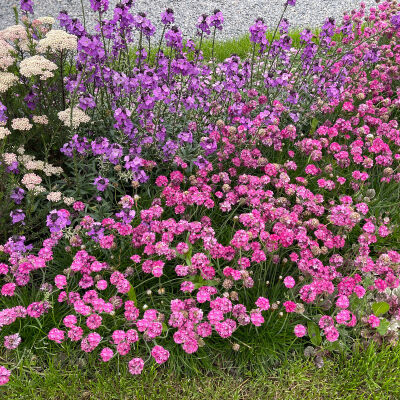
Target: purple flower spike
[(27, 6), (167, 17)]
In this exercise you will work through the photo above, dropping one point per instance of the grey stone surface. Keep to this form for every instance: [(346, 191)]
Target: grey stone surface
[(238, 14)]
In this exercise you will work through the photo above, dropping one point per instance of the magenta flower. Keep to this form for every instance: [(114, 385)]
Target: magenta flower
[(300, 330), (136, 366)]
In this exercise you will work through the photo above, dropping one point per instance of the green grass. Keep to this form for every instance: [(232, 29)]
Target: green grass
[(371, 374)]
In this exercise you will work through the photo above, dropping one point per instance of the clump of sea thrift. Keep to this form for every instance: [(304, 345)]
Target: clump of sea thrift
[(297, 198)]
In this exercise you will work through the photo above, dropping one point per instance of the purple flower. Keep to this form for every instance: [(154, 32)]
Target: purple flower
[(17, 195), (58, 220), (209, 145), (72, 25), (217, 19), (203, 24), (284, 26), (143, 24), (167, 17), (99, 5), (395, 21), (26, 5), (3, 116), (17, 216), (306, 35), (97, 231), (173, 38), (87, 102), (257, 34), (291, 3), (185, 137), (101, 183), (126, 215)]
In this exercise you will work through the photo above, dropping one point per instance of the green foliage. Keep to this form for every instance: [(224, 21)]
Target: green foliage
[(370, 374), (380, 308)]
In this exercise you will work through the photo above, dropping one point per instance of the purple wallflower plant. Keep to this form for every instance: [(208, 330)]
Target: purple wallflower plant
[(173, 38), (17, 195), (258, 34), (26, 5), (291, 3), (395, 21), (3, 116), (217, 19), (101, 183), (167, 17), (203, 24), (58, 220), (99, 5), (17, 216)]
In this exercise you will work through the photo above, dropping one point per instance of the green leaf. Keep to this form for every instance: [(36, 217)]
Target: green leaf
[(383, 327), (132, 295), (204, 283), (333, 346), (314, 333), (380, 308), (314, 124)]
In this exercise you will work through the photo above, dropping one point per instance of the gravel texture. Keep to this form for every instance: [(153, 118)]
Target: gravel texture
[(238, 14)]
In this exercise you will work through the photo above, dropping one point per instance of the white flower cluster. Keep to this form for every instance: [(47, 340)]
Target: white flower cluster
[(31, 180), (46, 20), (9, 158), (21, 124), (40, 119), (5, 56), (13, 33), (68, 200), (37, 66), (7, 79), (4, 132), (78, 117), (54, 197), (31, 164), (57, 40)]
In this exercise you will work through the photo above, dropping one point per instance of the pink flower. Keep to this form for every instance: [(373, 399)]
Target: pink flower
[(106, 354), (60, 281), (78, 206), (70, 321), (8, 289), (300, 330), (4, 375), (289, 282), (56, 335), (359, 291), (160, 354), (374, 321), (262, 303), (11, 342), (290, 306), (136, 366), (256, 318), (342, 302), (331, 334)]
